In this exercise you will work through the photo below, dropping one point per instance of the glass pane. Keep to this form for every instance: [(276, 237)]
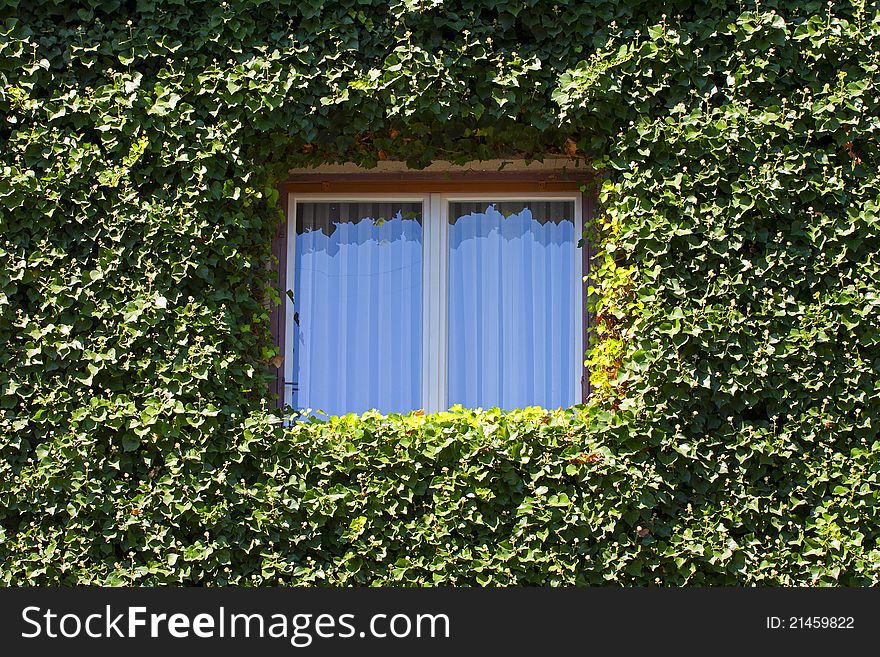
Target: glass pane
[(357, 294), (512, 304)]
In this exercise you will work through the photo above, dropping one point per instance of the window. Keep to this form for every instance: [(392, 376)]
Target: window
[(512, 300), (357, 282), (425, 300)]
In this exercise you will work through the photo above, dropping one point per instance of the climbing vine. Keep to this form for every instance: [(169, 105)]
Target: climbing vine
[(731, 438)]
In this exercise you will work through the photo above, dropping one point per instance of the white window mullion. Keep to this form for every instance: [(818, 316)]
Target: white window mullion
[(441, 207), (428, 311), (434, 306)]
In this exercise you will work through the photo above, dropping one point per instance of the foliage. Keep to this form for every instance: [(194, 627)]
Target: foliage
[(732, 437), (457, 498)]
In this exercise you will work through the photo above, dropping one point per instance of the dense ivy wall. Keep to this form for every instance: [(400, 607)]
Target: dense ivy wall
[(732, 436)]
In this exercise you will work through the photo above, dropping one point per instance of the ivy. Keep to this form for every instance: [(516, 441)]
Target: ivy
[(731, 438)]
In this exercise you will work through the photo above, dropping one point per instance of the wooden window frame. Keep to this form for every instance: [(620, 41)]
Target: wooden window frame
[(458, 182)]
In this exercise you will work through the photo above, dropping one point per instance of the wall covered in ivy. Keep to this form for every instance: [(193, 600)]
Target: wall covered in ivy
[(732, 436)]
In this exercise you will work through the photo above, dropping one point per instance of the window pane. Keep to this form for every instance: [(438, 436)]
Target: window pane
[(357, 293), (512, 304)]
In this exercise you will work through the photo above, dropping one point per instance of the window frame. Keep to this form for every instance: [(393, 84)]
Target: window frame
[(435, 192)]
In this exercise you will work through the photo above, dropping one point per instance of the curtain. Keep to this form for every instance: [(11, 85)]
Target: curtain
[(512, 286), (357, 293)]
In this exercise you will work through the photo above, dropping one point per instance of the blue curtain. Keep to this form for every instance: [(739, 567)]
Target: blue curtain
[(358, 287), (512, 273)]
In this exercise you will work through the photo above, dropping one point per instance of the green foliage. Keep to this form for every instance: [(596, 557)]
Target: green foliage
[(732, 438), (458, 498)]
